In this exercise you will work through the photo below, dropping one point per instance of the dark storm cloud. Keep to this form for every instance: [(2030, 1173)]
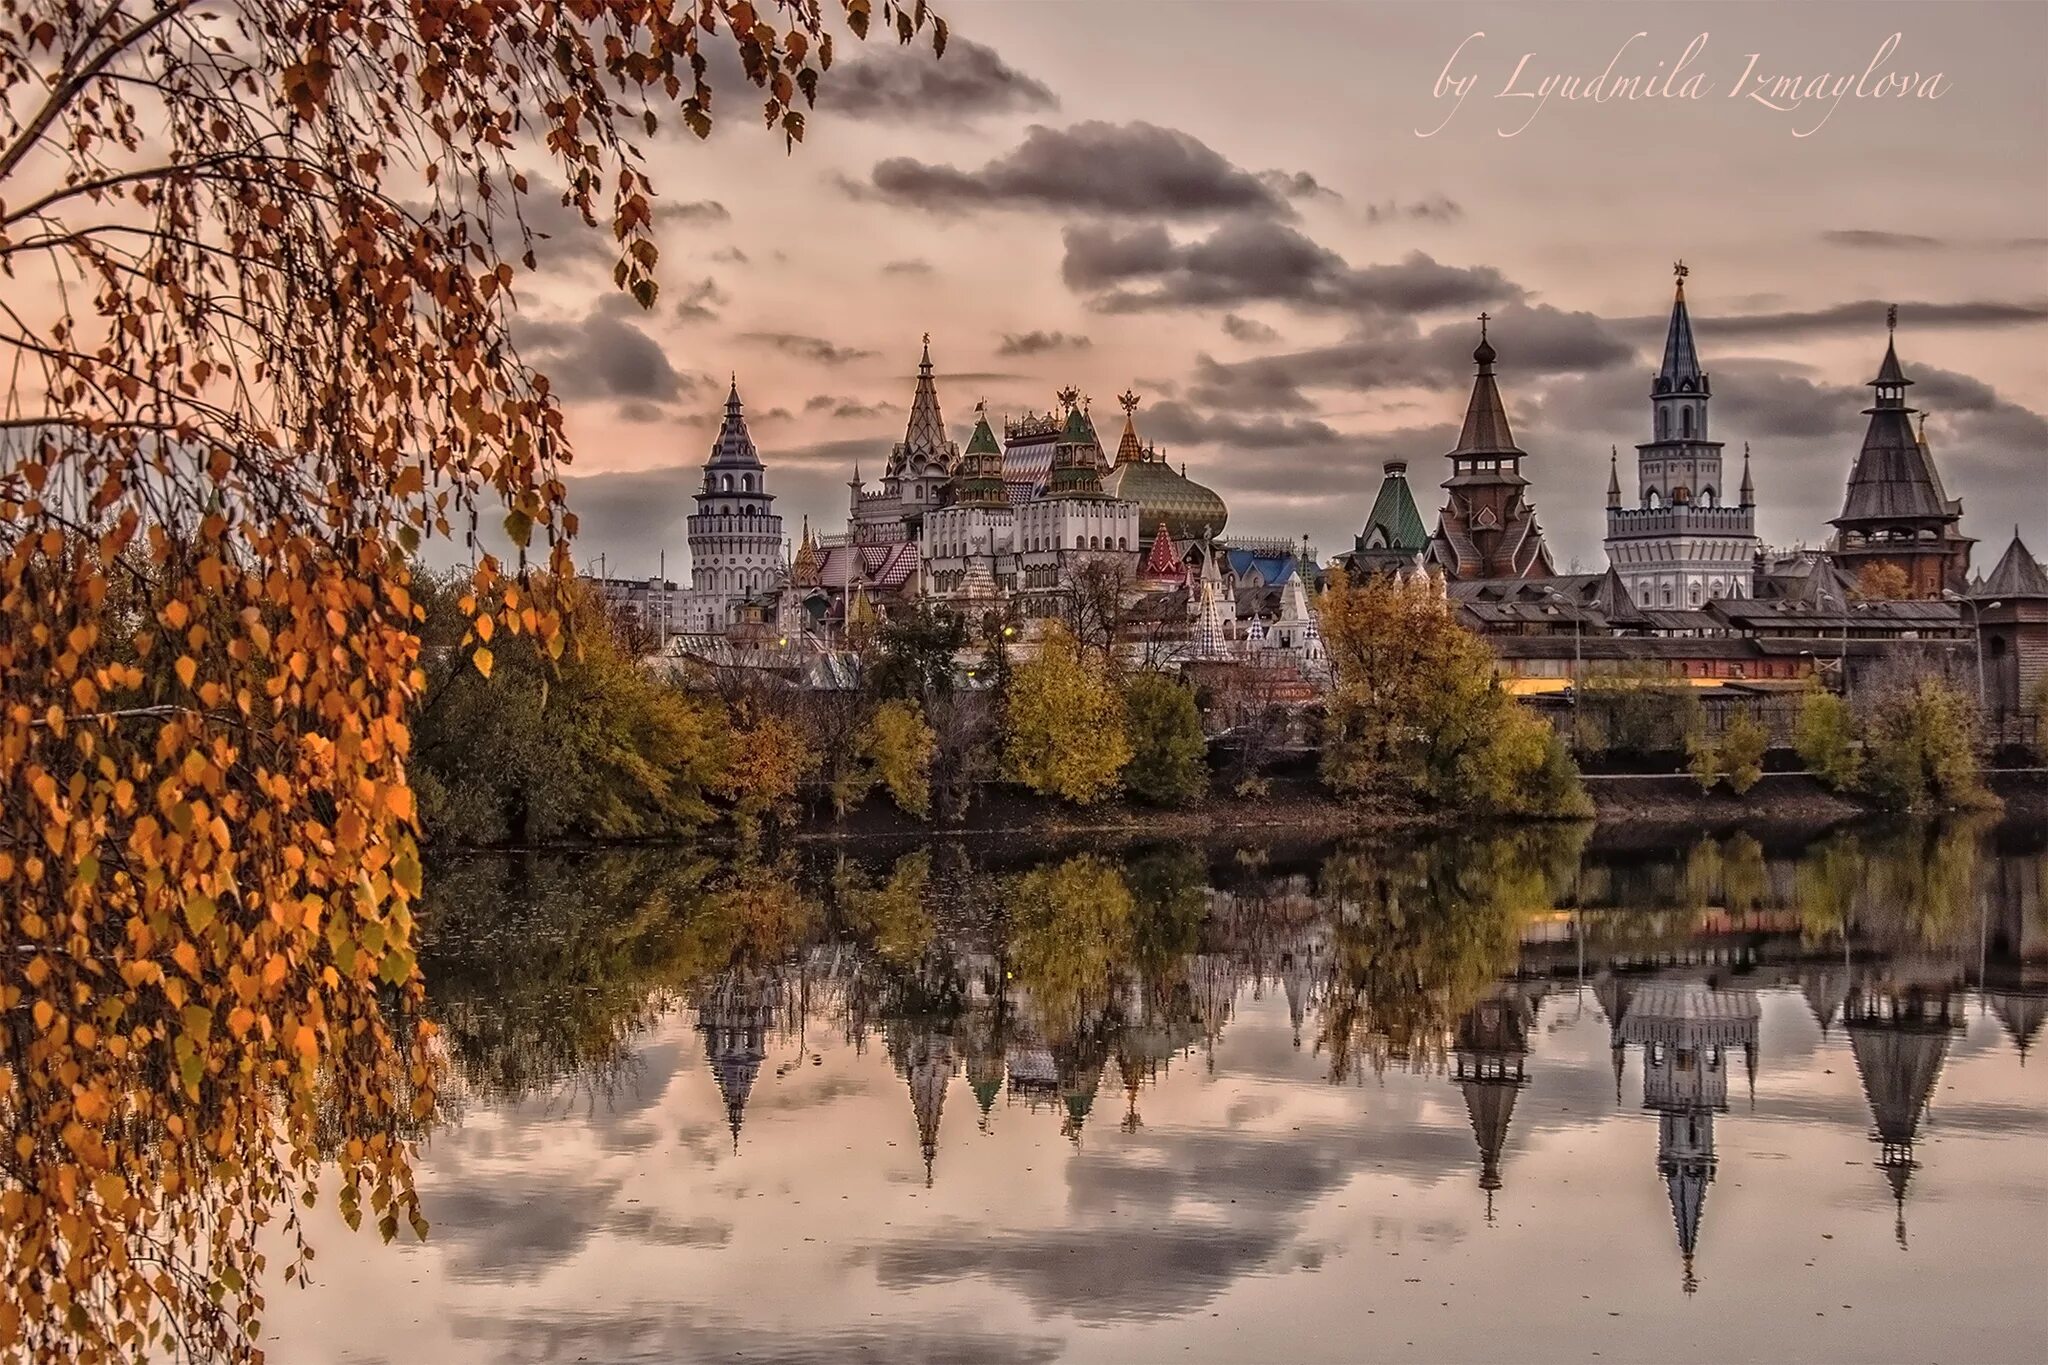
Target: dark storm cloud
[(701, 301), (1247, 329), (603, 354), (1089, 167), (814, 349), (1038, 343), (1436, 208), (1178, 423), (899, 84), (1253, 260), (913, 266)]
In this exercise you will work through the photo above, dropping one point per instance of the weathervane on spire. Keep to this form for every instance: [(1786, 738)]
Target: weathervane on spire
[(1129, 401), (1068, 396), (1891, 318), (1680, 269)]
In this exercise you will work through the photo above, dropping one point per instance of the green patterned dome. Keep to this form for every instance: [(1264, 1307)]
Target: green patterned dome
[(1164, 494)]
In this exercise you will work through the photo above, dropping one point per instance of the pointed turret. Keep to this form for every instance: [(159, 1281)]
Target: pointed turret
[(1394, 524), (1486, 430), (1487, 529), (978, 475), (929, 1070), (924, 437), (1748, 495), (1613, 478), (1899, 1041), (1680, 372), (734, 1019), (2018, 573), (734, 447), (1162, 561), (1128, 449), (1076, 456), (1491, 1046), (1895, 510)]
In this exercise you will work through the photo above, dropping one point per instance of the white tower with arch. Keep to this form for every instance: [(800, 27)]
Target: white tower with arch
[(735, 533), (1686, 541)]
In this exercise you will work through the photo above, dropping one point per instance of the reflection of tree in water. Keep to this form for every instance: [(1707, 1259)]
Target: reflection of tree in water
[(1419, 932)]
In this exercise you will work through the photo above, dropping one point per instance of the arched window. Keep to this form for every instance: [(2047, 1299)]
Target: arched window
[(1653, 499), (725, 483), (747, 482), (1687, 416), (1663, 424), (1707, 496), (1120, 543)]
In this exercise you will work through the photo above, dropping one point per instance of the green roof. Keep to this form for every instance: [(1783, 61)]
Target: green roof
[(983, 441), (1394, 518), (1079, 429)]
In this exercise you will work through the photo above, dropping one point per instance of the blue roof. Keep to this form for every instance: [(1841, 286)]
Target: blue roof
[(1273, 569)]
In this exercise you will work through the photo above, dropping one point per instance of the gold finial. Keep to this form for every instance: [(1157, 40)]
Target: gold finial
[(1129, 401), (927, 338), (1891, 318), (1680, 270)]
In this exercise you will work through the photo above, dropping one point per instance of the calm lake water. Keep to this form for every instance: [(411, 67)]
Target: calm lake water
[(1549, 1096)]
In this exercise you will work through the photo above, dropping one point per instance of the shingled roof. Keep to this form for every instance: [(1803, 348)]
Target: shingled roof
[(2018, 573)]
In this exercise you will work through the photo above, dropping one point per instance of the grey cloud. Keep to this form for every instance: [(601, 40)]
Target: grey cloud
[(844, 407), (912, 266), (730, 254), (815, 349), (632, 517), (604, 354), (1248, 260), (1866, 318), (1386, 353), (1879, 241), (698, 211), (1037, 343), (899, 84), (1435, 208), (1090, 167), (701, 301), (1297, 185), (1247, 329)]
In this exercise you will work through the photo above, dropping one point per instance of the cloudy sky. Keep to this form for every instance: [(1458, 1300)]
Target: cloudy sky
[(1267, 220)]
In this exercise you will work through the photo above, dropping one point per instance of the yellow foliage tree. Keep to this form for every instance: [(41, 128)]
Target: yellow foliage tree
[(1064, 734), (1417, 713), (898, 744), (1882, 581), (260, 262)]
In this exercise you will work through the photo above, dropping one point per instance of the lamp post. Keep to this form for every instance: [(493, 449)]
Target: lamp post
[(1823, 595), (1977, 632)]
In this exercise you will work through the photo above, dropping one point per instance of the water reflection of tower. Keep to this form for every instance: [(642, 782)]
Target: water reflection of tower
[(984, 1029), (1214, 979), (735, 1017), (923, 1053), (1301, 974), (1490, 1051), (1685, 1029), (2022, 1013), (1900, 1039)]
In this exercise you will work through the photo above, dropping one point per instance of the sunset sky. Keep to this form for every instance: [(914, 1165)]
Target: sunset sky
[(1229, 208)]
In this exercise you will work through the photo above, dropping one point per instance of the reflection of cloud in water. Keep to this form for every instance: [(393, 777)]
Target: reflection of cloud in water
[(515, 1229), (544, 1337)]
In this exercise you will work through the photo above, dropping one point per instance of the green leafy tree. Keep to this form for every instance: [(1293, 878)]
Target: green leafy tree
[(1743, 745), (1920, 745), (1703, 759), (587, 746), (1827, 741), (1169, 757), (912, 655), (1064, 723), (1639, 713)]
